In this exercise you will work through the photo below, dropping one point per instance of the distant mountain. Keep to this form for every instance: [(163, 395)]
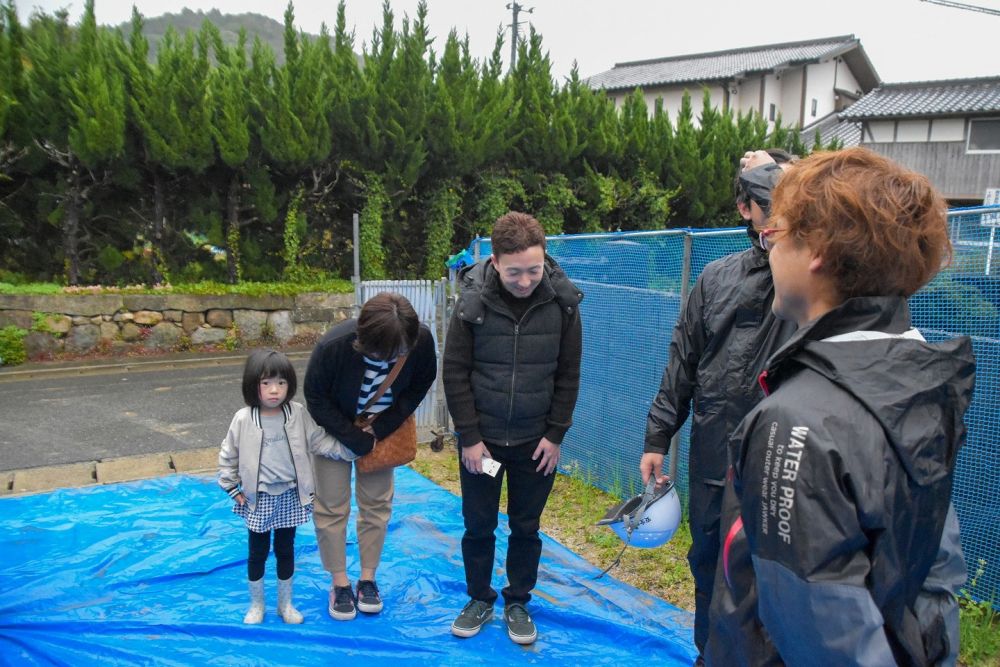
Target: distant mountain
[(271, 32)]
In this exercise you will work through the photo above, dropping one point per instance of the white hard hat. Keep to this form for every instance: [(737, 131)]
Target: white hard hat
[(647, 520)]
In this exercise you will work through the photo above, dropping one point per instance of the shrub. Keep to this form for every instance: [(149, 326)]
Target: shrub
[(12, 350), (232, 340)]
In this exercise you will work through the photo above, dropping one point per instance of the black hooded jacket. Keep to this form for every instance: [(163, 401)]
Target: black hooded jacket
[(725, 333), (838, 495)]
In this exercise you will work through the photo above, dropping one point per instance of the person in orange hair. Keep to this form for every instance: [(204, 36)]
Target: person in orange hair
[(840, 480)]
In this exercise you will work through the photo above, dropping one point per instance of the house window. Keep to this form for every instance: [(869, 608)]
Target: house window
[(814, 105), (984, 136), (772, 112)]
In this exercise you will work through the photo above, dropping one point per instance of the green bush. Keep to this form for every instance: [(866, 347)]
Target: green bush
[(314, 280), (12, 350)]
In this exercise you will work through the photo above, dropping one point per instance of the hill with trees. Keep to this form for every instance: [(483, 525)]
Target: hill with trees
[(270, 32)]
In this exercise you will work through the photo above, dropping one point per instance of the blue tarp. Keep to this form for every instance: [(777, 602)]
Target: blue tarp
[(154, 572)]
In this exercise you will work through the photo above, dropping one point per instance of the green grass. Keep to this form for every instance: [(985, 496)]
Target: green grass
[(979, 627), (201, 288)]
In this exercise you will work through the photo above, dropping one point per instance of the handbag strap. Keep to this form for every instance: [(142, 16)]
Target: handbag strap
[(387, 382)]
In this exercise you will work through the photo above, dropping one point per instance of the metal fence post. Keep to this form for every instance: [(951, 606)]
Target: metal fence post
[(675, 441), (357, 265)]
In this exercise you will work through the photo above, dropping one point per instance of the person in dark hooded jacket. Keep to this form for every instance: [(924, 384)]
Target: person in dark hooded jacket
[(724, 334), (839, 490)]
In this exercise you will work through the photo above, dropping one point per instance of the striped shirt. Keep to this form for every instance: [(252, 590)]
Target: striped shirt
[(375, 374)]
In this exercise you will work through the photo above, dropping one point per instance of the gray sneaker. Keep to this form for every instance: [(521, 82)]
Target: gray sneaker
[(368, 599), (473, 617), (341, 606), (520, 627)]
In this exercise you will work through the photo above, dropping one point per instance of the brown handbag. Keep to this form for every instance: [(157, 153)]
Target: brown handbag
[(399, 447)]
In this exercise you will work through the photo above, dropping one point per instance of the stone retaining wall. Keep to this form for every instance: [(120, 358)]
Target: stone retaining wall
[(119, 323)]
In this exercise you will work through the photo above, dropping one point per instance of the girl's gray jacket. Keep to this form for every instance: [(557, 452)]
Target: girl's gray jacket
[(239, 457)]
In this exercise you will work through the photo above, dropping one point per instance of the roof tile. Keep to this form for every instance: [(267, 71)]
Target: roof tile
[(719, 64), (928, 98)]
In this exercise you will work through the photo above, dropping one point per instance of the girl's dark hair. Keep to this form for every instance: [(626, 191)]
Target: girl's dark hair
[(387, 326), (264, 364)]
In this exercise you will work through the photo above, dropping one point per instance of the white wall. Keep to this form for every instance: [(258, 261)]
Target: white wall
[(749, 97), (912, 130), (791, 96), (846, 79), (948, 129), (772, 95), (880, 131), (819, 86)]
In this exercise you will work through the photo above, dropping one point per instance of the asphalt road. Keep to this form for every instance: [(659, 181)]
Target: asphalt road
[(104, 412)]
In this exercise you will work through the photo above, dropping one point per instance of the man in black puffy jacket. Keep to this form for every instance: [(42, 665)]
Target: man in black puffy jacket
[(511, 378)]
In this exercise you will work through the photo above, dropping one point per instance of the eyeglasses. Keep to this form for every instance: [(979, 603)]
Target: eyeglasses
[(762, 237)]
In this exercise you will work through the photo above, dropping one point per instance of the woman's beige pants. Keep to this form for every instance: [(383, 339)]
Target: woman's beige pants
[(373, 493)]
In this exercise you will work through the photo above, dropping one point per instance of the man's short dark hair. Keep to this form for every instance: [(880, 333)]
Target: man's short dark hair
[(515, 232), (779, 155), (262, 365), (387, 326)]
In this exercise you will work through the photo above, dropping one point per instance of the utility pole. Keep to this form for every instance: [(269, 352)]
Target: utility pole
[(962, 5), (515, 29)]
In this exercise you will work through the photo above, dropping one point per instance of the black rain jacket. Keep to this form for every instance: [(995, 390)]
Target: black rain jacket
[(839, 493), (725, 333)]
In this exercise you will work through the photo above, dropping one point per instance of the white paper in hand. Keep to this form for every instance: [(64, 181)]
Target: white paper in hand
[(490, 467)]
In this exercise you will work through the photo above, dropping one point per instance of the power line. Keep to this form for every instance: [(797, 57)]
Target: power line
[(515, 29), (962, 5)]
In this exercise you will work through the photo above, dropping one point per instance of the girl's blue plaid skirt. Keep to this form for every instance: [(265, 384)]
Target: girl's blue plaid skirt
[(284, 511)]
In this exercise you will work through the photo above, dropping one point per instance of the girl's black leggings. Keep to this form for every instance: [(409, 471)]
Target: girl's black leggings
[(284, 552)]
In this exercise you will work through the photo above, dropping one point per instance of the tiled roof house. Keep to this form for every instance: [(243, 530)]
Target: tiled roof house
[(804, 81), (948, 130)]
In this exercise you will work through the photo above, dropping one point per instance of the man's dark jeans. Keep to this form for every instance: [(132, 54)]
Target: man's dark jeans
[(527, 493)]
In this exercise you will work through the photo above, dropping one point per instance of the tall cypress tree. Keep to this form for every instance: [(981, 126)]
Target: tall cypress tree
[(13, 92), (172, 118), (230, 108), (685, 169), (535, 92), (77, 115), (349, 97), (293, 100)]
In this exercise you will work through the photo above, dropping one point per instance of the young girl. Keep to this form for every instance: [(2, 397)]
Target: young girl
[(264, 465)]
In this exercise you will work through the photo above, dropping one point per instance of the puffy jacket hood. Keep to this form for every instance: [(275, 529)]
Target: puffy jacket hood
[(483, 281), (917, 391)]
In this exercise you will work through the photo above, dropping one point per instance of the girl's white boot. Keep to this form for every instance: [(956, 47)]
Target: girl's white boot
[(256, 612), (287, 611)]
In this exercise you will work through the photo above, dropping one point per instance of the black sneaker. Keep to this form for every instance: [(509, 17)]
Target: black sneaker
[(369, 601), (473, 617), (520, 627), (342, 603)]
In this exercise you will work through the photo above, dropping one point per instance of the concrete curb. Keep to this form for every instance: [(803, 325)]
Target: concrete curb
[(107, 471), (134, 365), (29, 481)]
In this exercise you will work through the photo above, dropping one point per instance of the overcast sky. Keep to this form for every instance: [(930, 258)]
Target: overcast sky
[(906, 40)]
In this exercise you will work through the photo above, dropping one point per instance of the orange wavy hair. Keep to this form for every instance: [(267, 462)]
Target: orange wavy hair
[(881, 229)]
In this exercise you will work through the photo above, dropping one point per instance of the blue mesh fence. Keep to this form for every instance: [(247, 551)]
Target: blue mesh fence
[(635, 283)]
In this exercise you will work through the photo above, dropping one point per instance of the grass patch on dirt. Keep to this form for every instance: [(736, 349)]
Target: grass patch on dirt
[(571, 516)]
